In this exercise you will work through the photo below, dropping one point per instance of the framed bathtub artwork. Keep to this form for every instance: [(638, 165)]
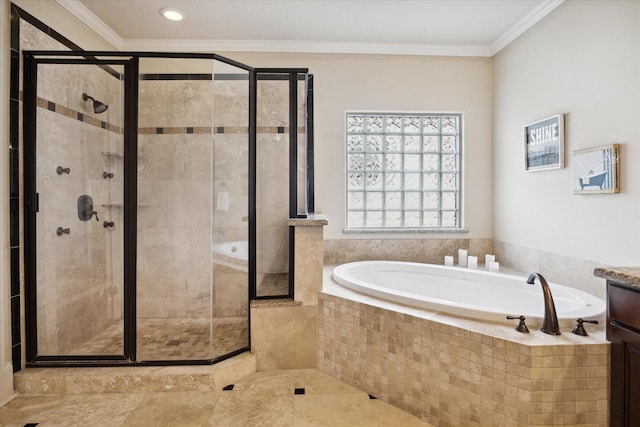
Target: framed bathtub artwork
[(544, 144), (597, 170)]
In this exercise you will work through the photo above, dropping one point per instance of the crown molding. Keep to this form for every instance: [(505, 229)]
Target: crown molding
[(96, 24), (300, 46), (523, 25)]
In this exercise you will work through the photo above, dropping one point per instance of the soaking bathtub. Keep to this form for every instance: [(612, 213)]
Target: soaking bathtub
[(465, 292)]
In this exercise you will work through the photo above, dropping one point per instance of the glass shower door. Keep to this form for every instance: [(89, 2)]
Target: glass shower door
[(138, 188), (192, 270), (78, 219)]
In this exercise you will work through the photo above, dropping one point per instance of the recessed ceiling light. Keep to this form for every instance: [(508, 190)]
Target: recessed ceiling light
[(172, 14)]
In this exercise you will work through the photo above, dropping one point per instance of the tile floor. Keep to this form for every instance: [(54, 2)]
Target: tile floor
[(305, 397), (174, 339), (274, 284)]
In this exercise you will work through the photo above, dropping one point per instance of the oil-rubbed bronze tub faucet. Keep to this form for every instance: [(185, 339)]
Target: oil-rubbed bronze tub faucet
[(550, 323)]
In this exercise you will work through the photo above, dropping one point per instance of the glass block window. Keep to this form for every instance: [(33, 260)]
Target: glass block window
[(403, 171)]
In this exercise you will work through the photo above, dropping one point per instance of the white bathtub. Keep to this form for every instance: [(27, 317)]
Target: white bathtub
[(463, 292), (231, 254)]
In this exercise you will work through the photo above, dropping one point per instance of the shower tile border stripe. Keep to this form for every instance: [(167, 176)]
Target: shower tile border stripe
[(161, 130), (76, 115), (219, 76)]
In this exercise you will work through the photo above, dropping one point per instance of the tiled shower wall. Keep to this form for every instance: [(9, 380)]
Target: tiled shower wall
[(174, 199), (185, 165)]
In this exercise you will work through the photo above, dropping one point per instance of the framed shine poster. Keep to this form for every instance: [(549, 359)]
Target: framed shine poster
[(544, 144)]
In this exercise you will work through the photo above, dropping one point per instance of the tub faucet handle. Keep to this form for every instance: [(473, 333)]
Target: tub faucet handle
[(579, 329), (522, 327)]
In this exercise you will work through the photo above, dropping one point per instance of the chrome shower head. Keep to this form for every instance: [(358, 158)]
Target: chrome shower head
[(98, 107)]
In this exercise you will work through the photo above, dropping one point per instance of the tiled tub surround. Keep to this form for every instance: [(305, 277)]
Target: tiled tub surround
[(453, 371), (570, 271), (340, 251)]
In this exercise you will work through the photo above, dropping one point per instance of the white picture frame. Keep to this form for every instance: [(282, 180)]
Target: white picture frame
[(544, 144)]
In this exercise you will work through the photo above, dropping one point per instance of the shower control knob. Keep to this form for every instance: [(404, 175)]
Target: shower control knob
[(60, 231), (107, 175), (522, 327), (108, 224)]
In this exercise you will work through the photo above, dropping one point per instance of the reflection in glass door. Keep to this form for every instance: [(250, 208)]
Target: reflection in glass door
[(78, 220)]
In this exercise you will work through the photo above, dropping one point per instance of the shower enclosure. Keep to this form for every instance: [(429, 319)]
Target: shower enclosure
[(157, 189)]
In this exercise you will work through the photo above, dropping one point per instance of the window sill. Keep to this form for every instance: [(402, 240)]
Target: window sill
[(404, 230)]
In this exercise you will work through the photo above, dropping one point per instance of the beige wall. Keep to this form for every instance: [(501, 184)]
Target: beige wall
[(397, 83), (582, 60)]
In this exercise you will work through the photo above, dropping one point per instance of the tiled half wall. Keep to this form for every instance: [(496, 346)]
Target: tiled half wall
[(450, 376)]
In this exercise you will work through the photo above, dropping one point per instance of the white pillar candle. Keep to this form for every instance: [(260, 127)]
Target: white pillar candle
[(462, 257), (448, 260), (494, 266), (472, 262), (488, 259)]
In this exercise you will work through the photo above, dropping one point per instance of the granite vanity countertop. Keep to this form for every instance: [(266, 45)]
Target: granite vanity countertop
[(629, 276)]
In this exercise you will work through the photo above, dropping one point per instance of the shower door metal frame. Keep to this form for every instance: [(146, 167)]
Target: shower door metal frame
[(293, 76), (130, 60), (31, 208), (131, 81)]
